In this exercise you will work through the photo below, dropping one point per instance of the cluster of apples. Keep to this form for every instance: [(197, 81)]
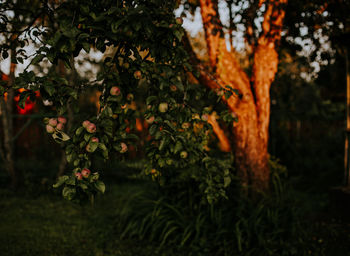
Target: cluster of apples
[(89, 127), (54, 124), (85, 173)]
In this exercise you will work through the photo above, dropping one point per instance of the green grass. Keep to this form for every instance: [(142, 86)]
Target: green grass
[(42, 223), (48, 225)]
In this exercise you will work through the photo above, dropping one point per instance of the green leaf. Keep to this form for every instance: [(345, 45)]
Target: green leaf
[(153, 129), (68, 193), (71, 181), (93, 146), (178, 147), (100, 186), (86, 46), (163, 143), (150, 99), (61, 180), (50, 90), (79, 130), (87, 136), (37, 59), (102, 146), (83, 186)]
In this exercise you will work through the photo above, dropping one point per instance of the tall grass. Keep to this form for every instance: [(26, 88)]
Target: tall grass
[(238, 226)]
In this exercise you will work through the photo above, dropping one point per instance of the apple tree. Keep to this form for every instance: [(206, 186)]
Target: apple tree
[(143, 50)]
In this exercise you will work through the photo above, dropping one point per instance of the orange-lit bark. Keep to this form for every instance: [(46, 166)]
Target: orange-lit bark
[(252, 107), (212, 28), (224, 142)]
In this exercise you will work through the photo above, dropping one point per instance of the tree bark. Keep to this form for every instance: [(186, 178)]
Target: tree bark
[(7, 125), (252, 106)]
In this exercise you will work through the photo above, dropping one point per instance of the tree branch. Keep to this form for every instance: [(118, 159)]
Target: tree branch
[(266, 59), (224, 142), (213, 28)]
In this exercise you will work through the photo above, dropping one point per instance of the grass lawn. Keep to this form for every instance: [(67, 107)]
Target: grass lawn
[(48, 225), (44, 224)]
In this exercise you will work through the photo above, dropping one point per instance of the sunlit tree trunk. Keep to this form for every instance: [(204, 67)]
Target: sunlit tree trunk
[(252, 106)]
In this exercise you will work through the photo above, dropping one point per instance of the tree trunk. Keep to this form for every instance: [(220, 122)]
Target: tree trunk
[(7, 125), (252, 106)]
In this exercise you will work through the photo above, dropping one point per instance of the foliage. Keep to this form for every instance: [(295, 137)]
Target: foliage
[(238, 226), (141, 43)]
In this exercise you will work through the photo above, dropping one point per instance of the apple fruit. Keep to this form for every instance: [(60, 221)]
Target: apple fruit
[(62, 120), (60, 126), (53, 122), (91, 128), (150, 120), (163, 107), (115, 91), (205, 117), (185, 125), (130, 96), (179, 20), (124, 147), (173, 88), (94, 139), (86, 123), (183, 154), (88, 148), (85, 173), (50, 129), (78, 176), (138, 74)]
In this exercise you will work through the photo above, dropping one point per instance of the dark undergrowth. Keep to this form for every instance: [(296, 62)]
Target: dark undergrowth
[(136, 217)]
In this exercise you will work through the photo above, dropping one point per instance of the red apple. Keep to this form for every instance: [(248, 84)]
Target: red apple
[(138, 74), (53, 122), (88, 148), (91, 128), (50, 129), (86, 123), (179, 20), (115, 91), (62, 119), (85, 173), (150, 120), (60, 126), (94, 139), (78, 176), (124, 147), (205, 117)]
